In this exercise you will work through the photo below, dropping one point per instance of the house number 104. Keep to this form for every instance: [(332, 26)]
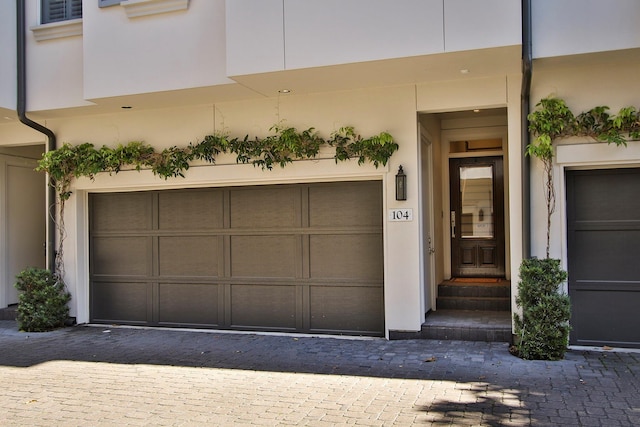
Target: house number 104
[(400, 214)]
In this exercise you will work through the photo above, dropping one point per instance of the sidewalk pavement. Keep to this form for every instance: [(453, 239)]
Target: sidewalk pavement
[(107, 376)]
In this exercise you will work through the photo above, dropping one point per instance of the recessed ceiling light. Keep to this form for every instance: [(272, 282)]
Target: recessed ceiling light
[(464, 71), (284, 91), (476, 110)]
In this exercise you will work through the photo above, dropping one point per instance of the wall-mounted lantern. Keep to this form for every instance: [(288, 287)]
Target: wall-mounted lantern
[(401, 185)]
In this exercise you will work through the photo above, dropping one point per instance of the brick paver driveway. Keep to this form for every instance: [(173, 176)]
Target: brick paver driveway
[(95, 376)]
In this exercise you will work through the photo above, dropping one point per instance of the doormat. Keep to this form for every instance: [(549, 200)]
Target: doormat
[(476, 279)]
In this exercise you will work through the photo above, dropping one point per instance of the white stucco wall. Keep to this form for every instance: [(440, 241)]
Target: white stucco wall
[(8, 60), (161, 52), (580, 26), (291, 34), (54, 68)]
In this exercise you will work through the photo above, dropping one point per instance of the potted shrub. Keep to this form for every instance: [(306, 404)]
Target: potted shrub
[(42, 303)]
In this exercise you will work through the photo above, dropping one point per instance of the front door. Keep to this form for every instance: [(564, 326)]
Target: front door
[(477, 217)]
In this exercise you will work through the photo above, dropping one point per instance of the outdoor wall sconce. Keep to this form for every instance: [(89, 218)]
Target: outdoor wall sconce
[(401, 185)]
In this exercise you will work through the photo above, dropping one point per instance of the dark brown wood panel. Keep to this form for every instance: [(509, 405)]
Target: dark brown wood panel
[(188, 303), (190, 209), (113, 302), (329, 303), (121, 255), (346, 256), (263, 256), (305, 257), (263, 306), (269, 207), (188, 255), (121, 212)]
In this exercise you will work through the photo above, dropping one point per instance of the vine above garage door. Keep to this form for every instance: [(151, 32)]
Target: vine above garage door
[(285, 145)]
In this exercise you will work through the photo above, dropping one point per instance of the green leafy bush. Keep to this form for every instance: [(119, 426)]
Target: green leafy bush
[(42, 304), (542, 331)]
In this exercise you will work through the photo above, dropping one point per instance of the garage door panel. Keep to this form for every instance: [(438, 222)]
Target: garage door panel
[(346, 256), (333, 205), (265, 207), (603, 243), (116, 301), (605, 317), (188, 256), (187, 303), (263, 306), (608, 196), (263, 256), (342, 308), (188, 210), (607, 255), (121, 256), (122, 212)]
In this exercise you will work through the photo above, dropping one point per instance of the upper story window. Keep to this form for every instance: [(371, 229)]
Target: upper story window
[(60, 10)]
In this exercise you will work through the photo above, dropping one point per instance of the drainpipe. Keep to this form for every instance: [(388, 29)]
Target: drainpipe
[(527, 66), (51, 137)]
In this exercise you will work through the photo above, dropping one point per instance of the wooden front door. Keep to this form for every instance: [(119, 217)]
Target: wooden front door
[(477, 217)]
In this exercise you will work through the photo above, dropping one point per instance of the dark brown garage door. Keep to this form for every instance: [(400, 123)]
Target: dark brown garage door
[(604, 256), (300, 258)]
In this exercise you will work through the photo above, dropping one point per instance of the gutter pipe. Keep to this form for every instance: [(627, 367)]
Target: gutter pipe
[(527, 67), (51, 137)]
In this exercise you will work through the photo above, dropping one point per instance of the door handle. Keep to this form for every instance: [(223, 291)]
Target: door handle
[(453, 224)]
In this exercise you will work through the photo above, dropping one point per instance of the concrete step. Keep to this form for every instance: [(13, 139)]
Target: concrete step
[(500, 290), (473, 303), (474, 294), (463, 325)]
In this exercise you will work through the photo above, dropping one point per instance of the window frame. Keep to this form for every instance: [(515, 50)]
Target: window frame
[(107, 3), (68, 14)]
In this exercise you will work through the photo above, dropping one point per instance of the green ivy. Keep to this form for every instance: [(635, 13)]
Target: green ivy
[(552, 120), (282, 147)]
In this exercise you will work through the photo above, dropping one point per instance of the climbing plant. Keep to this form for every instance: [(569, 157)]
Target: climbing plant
[(283, 146), (553, 120)]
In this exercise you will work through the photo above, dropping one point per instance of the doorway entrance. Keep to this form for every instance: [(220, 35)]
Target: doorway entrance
[(477, 217)]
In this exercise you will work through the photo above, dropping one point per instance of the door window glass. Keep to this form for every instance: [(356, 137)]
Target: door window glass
[(476, 199)]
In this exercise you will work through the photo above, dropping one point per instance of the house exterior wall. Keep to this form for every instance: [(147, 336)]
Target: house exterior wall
[(124, 55), (572, 27), (8, 63), (291, 34), (376, 65), (368, 111)]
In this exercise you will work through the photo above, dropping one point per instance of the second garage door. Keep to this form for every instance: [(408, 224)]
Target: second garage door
[(603, 226), (300, 258)]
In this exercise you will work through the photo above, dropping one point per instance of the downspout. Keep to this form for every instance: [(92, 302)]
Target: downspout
[(527, 67), (51, 137)]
